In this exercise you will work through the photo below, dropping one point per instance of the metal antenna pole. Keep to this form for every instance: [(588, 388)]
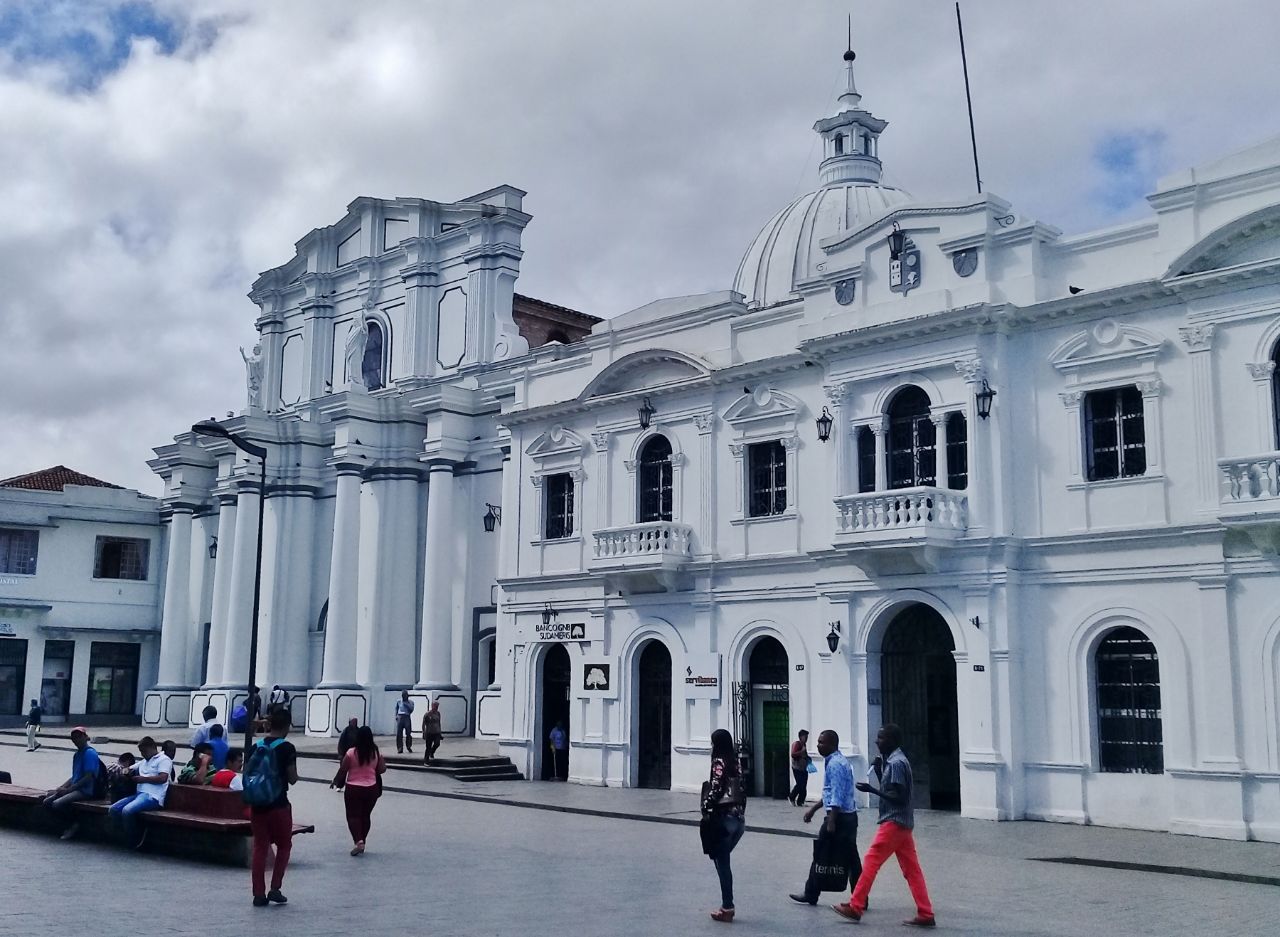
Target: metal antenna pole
[(964, 62)]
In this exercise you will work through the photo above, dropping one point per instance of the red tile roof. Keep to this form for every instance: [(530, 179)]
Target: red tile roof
[(53, 479)]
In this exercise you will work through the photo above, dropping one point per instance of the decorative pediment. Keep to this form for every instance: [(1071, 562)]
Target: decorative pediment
[(643, 370), (557, 441), (1251, 239), (764, 404), (1106, 341)]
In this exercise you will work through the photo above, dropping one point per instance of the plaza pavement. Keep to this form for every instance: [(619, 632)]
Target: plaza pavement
[(523, 858)]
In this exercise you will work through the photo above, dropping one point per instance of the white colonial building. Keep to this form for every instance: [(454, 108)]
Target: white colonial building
[(928, 462), (80, 567)]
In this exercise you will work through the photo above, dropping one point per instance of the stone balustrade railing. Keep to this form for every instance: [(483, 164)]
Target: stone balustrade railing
[(1252, 478), (928, 509), (654, 539)]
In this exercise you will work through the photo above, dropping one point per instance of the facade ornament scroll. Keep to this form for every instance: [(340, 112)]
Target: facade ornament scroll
[(971, 369), (790, 443), (601, 441), (677, 459), (735, 449), (1262, 370), (1072, 398), (1150, 386), (1198, 337), (579, 476), (536, 480), (837, 394), (704, 421)]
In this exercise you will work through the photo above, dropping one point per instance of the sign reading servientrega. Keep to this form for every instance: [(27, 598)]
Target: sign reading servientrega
[(702, 676), (560, 631)]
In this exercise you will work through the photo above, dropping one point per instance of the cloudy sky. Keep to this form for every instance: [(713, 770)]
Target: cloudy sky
[(154, 156)]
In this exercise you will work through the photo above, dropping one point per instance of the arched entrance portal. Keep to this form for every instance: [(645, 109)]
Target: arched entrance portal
[(918, 689), (555, 704), (763, 723), (653, 735)]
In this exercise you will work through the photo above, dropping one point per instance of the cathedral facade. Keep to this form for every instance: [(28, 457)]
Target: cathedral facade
[(928, 462)]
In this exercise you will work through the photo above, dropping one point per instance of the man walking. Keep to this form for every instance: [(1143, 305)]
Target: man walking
[(272, 823), (800, 768), (404, 722), (893, 835), (83, 783), (347, 740), (34, 715), (432, 734), (153, 774), (840, 827)]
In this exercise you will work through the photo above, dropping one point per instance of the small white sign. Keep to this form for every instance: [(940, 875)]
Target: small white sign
[(597, 678), (702, 676), (6, 628)]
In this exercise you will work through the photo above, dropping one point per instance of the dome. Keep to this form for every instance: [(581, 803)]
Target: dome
[(787, 249)]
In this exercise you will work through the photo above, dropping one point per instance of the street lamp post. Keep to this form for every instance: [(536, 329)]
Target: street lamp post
[(211, 428)]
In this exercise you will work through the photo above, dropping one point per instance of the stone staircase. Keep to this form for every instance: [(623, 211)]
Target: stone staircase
[(461, 768)]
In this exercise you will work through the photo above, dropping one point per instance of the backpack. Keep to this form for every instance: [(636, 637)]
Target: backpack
[(239, 718), (101, 781), (263, 782)]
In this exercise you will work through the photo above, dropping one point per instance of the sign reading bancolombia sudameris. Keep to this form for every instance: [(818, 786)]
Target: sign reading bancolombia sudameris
[(560, 631), (702, 676)]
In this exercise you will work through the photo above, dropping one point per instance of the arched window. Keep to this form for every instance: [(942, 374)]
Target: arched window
[(957, 451), (371, 367), (655, 480), (1275, 391), (839, 144), (913, 456), (1127, 685)]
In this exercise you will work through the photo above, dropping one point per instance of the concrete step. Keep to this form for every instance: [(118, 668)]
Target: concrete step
[(461, 769)]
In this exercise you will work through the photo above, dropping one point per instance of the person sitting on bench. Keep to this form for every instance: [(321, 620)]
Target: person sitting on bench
[(230, 777), (199, 770), (83, 783), (120, 782), (218, 742), (152, 775)]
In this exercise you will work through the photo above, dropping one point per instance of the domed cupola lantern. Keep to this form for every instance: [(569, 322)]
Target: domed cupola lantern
[(850, 136)]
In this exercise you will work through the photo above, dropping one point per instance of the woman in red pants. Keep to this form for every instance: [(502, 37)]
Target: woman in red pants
[(360, 777)]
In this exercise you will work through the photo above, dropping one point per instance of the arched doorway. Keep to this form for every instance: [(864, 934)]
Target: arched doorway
[(555, 703), (653, 716), (918, 691), (764, 720)]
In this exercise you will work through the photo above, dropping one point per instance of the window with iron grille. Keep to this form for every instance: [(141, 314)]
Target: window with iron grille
[(655, 480), (1115, 434), (866, 442), (1127, 675), (558, 516), (957, 451), (18, 550), (913, 456), (120, 558), (766, 479)]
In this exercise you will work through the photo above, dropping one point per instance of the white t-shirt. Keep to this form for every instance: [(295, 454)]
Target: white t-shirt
[(159, 763)]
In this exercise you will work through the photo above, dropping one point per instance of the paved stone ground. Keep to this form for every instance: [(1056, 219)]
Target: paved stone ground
[(514, 861)]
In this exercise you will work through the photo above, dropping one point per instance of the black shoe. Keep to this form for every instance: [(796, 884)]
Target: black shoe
[(803, 899), (260, 901), (274, 895)]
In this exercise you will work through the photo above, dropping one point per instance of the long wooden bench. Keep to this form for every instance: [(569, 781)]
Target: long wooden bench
[(219, 818)]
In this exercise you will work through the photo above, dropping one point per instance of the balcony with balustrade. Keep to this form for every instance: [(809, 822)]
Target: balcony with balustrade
[(1250, 498), (903, 524), (653, 546)]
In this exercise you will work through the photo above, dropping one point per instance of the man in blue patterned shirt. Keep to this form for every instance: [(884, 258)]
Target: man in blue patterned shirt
[(841, 823)]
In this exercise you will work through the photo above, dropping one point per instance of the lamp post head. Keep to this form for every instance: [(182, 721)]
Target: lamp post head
[(492, 517), (984, 398), (646, 413), (213, 548), (833, 638), (897, 241), (218, 431), (548, 613), (824, 423)]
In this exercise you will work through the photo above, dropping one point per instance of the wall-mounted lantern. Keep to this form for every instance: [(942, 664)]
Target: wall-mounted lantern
[(824, 425), (833, 636), (976, 622), (548, 614), (492, 517), (897, 241), (984, 398), (646, 413), (213, 548)]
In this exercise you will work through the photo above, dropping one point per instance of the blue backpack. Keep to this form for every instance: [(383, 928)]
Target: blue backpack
[(263, 781), (239, 718)]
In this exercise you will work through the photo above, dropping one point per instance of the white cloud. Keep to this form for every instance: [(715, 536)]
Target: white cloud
[(654, 140)]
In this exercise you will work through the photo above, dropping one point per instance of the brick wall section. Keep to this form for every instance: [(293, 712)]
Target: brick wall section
[(540, 322)]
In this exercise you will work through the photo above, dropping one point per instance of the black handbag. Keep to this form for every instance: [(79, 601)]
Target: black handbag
[(829, 870)]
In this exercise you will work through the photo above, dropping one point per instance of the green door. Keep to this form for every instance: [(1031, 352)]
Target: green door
[(776, 748)]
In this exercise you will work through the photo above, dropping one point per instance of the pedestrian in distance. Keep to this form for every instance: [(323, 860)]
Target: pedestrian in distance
[(837, 843), (558, 739), (279, 699), (88, 780), (432, 735), (894, 834), (404, 722), (800, 762), (359, 778), (210, 716), (152, 776), (272, 767), (34, 716), (348, 737), (724, 807), (220, 747)]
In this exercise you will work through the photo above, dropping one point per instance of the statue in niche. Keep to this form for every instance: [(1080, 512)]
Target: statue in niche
[(253, 375), (357, 340)]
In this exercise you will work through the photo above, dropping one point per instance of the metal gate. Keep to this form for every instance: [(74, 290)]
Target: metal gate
[(743, 733)]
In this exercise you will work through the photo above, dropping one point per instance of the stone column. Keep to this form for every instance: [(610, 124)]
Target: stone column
[(1217, 722), (221, 587), (939, 421), (1199, 342), (435, 653), (385, 643), (841, 438), (1260, 372), (175, 624), (706, 528), (339, 668), (235, 656), (882, 456)]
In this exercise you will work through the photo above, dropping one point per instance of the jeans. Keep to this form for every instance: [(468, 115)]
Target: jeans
[(801, 790), (734, 827), (432, 742), (127, 810), (404, 733), (846, 832), (270, 827), (60, 802), (893, 840)]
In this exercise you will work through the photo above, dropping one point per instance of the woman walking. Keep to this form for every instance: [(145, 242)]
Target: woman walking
[(724, 805), (360, 778)]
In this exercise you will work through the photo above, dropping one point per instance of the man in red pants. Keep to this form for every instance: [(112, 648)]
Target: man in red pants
[(893, 835), (273, 824)]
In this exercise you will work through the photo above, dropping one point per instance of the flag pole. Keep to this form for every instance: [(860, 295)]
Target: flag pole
[(973, 137)]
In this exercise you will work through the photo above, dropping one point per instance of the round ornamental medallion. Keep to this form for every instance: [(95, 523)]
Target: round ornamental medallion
[(845, 290), (965, 262)]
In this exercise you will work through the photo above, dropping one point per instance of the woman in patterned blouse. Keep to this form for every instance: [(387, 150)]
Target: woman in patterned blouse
[(724, 807)]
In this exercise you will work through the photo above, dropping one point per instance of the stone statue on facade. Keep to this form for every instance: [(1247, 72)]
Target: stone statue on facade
[(253, 376), (357, 339)]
